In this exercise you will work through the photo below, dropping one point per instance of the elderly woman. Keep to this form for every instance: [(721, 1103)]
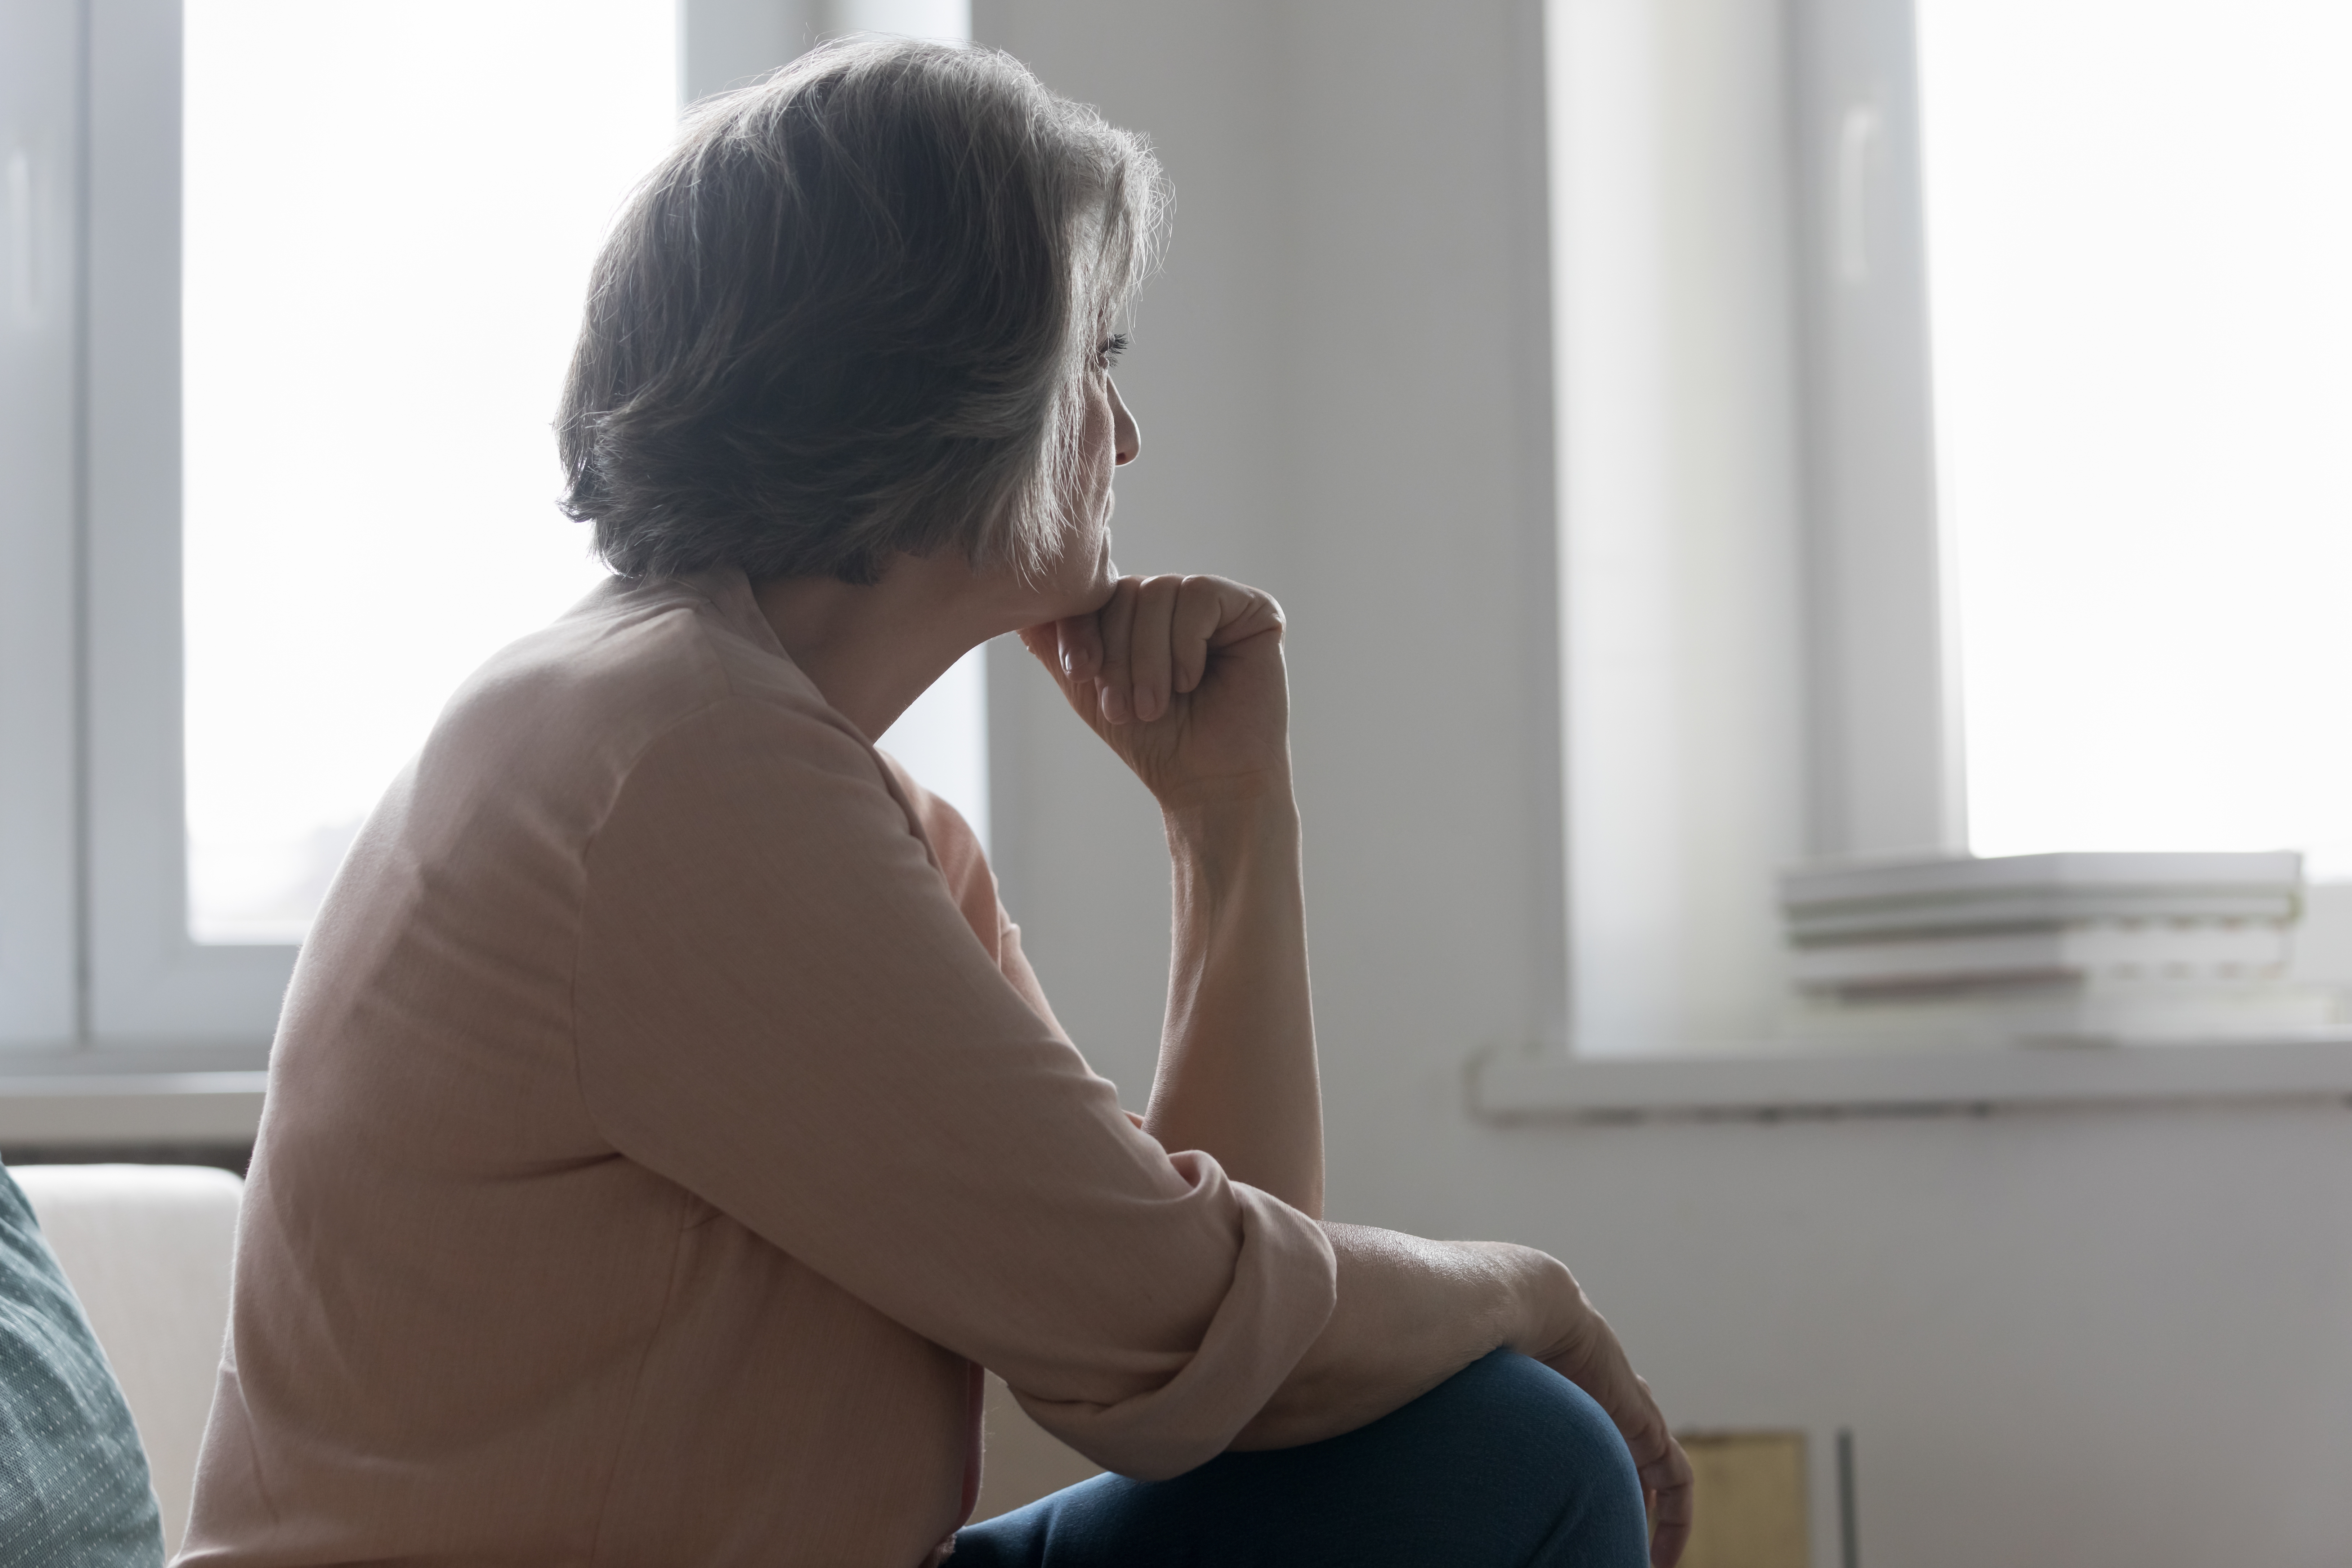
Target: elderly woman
[(664, 1128)]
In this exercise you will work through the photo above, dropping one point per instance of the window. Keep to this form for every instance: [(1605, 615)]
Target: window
[(286, 293), (2106, 520), (369, 371), (2143, 389), (1751, 679), (40, 160)]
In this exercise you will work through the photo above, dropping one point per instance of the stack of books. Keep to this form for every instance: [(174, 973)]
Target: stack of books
[(2052, 949)]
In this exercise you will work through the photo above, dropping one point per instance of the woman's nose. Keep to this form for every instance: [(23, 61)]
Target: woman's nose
[(1126, 439)]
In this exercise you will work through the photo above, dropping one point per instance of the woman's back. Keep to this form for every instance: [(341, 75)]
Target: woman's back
[(486, 1304)]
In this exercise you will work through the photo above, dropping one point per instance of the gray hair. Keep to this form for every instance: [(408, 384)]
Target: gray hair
[(848, 315)]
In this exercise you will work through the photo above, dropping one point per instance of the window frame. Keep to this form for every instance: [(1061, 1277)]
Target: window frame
[(1863, 612), (1769, 677), (41, 222), (1885, 746), (98, 971), (96, 965), (151, 985)]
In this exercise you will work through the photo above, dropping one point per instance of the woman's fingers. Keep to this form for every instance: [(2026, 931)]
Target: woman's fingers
[(1043, 643), (1080, 641), (1595, 1361), (1150, 664), (1208, 613), (1666, 1480), (1150, 642), (1201, 609), (1115, 626), (1669, 1482), (1071, 651)]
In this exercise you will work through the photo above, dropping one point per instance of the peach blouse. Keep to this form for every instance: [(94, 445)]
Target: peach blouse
[(663, 1130)]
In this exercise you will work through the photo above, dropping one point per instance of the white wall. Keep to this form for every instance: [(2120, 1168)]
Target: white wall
[(2089, 1338)]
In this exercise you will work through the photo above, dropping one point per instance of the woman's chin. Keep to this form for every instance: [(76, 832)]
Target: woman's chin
[(1081, 590), (1098, 593)]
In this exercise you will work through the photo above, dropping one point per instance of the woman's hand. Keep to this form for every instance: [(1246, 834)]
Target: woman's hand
[(1184, 677), (1572, 1338), (1599, 1368)]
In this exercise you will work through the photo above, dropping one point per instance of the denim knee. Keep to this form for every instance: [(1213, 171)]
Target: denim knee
[(1519, 1434), (1505, 1465)]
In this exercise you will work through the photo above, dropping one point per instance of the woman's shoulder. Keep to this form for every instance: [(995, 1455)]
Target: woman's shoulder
[(953, 842), (574, 706), (658, 647)]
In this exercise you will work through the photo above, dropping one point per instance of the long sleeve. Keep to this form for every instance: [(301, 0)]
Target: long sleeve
[(779, 1006), (663, 1122)]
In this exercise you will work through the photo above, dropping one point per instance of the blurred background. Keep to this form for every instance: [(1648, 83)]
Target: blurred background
[(1695, 441)]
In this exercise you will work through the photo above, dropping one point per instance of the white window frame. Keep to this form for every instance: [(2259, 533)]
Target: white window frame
[(40, 463), (1755, 645), (1848, 672), (1885, 746), (98, 972), (150, 986)]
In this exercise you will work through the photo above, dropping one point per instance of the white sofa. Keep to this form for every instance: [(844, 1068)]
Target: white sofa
[(147, 1248)]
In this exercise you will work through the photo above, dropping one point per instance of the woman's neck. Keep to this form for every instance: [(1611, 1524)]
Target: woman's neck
[(873, 648)]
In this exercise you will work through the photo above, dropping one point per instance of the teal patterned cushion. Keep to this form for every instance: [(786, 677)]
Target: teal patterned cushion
[(73, 1479)]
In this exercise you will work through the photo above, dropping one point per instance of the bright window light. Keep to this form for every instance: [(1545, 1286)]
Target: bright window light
[(2140, 259), (942, 739), (390, 215)]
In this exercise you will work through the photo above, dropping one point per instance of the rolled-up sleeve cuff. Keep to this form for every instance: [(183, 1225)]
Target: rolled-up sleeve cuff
[(1285, 1282)]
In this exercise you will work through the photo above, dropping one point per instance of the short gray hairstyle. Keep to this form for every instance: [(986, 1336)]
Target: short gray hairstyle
[(847, 316)]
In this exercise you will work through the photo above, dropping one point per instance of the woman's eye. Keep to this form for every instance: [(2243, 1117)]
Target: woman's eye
[(1112, 347)]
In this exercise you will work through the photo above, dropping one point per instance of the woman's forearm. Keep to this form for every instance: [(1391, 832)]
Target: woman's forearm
[(1411, 1313), (1237, 1076)]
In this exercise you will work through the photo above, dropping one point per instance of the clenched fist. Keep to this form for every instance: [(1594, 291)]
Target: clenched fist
[(1183, 676)]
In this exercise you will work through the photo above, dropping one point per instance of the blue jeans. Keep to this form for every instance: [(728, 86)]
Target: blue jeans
[(1505, 1465)]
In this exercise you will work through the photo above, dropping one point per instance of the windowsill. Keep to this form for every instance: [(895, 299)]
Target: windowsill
[(1519, 1089), (66, 1107), (73, 1101)]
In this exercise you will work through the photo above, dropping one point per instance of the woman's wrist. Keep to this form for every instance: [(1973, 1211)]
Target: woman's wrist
[(1242, 820), (1549, 1316)]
